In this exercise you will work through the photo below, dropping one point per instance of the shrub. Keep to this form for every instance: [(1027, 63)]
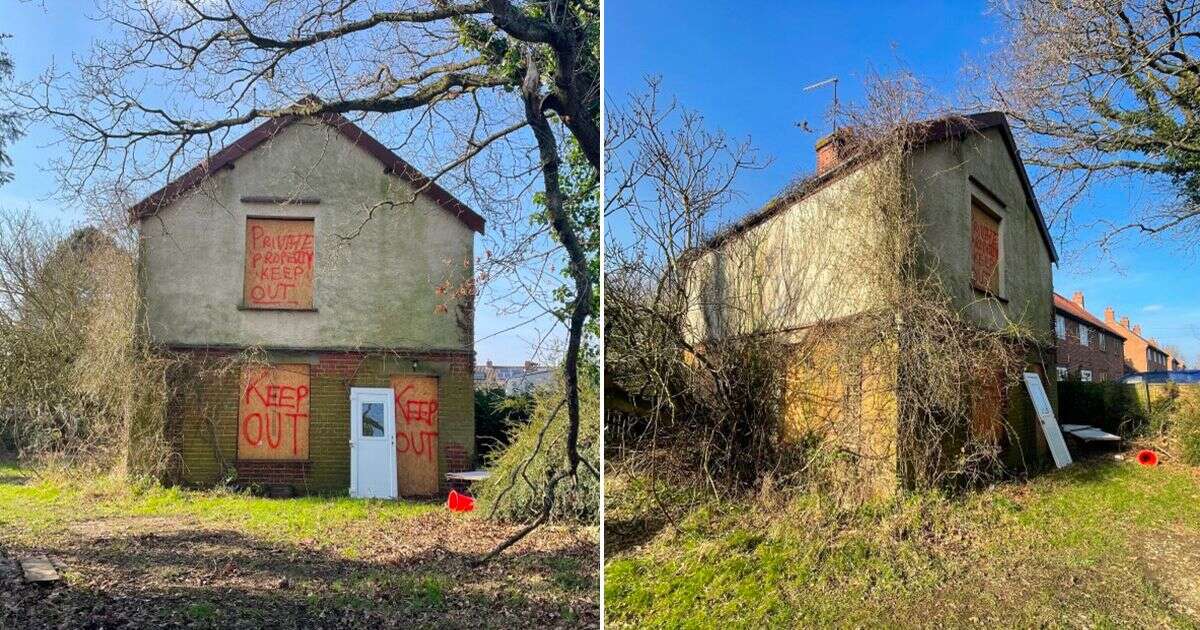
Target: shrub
[(497, 415), (1186, 427), (517, 486)]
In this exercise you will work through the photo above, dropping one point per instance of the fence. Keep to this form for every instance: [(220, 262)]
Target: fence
[(1121, 408)]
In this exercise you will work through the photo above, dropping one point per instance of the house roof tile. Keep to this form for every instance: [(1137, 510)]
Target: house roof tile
[(1073, 310)]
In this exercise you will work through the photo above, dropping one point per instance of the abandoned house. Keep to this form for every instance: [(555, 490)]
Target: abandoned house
[(819, 257), (332, 281), (1088, 349)]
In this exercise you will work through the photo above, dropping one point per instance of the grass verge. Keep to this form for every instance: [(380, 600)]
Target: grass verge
[(1100, 544)]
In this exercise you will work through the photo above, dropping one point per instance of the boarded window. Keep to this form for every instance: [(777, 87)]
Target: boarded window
[(279, 264), (987, 409), (273, 412), (985, 250), (416, 434)]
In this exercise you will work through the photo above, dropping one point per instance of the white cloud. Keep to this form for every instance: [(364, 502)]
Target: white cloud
[(1152, 308)]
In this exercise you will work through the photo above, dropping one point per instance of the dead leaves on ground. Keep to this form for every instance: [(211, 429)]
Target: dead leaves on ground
[(133, 572)]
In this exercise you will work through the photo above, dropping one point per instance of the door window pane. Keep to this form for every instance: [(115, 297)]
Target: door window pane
[(372, 420)]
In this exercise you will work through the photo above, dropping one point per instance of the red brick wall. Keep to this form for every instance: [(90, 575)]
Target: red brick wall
[(273, 472), (203, 416), (1105, 365)]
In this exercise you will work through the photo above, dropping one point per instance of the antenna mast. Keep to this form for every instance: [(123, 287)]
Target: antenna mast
[(830, 81)]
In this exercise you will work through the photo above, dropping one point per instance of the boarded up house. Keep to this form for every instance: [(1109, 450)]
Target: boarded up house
[(347, 361), (818, 258)]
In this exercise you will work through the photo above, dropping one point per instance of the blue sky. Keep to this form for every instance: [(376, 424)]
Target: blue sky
[(54, 33), (745, 70)]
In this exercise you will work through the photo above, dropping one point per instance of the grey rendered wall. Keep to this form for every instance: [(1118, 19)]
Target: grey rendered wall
[(813, 262), (942, 177), (376, 290)]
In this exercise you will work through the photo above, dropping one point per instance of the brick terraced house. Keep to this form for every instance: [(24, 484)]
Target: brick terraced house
[(1088, 349), (1142, 354), (349, 361)]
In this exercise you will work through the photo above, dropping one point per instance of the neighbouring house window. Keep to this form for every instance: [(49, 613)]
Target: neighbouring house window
[(1083, 335), (985, 249), (1060, 326), (279, 264), (1062, 373), (1085, 376)]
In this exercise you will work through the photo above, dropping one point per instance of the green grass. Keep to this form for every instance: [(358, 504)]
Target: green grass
[(1064, 549), (32, 506), (201, 611), (166, 557)]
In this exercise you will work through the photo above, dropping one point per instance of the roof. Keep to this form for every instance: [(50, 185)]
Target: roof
[(1145, 340), (932, 132), (393, 164), (1067, 307)]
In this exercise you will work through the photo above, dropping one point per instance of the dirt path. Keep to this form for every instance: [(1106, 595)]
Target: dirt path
[(135, 572), (1172, 561)]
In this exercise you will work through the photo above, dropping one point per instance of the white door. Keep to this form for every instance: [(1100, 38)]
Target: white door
[(372, 443), (1041, 404)]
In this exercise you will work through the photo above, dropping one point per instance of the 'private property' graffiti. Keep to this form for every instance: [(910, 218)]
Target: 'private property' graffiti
[(279, 263)]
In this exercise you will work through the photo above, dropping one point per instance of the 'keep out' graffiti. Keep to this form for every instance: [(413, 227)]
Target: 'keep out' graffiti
[(417, 436), (274, 413)]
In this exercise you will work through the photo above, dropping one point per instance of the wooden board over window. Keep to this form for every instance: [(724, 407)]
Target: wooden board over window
[(273, 412), (416, 434), (987, 407), (279, 264), (985, 250)]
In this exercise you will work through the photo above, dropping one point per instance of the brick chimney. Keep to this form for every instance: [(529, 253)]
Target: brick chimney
[(1125, 322), (832, 150), (1078, 298), (1110, 317), (1137, 330)]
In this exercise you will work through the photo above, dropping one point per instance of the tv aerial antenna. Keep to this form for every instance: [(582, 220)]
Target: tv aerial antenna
[(832, 81)]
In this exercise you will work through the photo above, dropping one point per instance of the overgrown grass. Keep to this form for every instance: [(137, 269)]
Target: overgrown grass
[(33, 505), (1070, 548)]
